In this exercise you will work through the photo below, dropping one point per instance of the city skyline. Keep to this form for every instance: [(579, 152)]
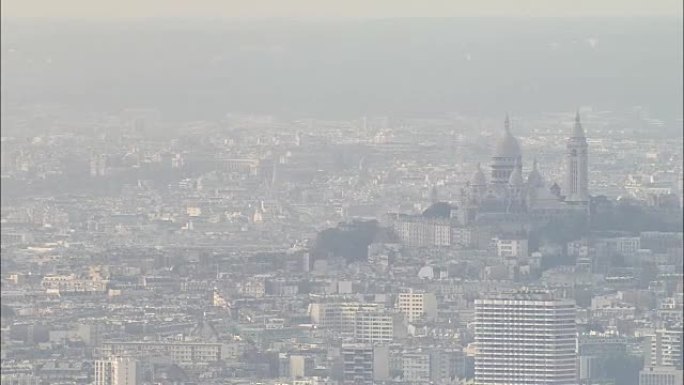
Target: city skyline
[(331, 193)]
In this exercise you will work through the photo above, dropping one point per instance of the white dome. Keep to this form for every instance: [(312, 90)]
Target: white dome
[(508, 146)]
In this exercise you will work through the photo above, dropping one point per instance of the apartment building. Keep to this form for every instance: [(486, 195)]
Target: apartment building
[(525, 338), (417, 305)]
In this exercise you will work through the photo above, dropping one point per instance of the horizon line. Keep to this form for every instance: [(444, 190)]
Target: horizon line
[(332, 18)]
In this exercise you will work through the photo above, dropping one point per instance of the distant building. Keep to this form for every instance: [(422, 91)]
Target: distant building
[(301, 365), (364, 364), (339, 317), (379, 326), (661, 242), (433, 364), (621, 245), (180, 352), (117, 371), (660, 376), (416, 366), (98, 165), (511, 247), (593, 351), (19, 379), (70, 284), (357, 364), (447, 364), (417, 305), (418, 231), (664, 348)]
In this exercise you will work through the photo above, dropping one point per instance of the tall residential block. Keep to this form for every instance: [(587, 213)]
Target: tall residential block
[(525, 338)]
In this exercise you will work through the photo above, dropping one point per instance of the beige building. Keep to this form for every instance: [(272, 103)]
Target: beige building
[(301, 365), (417, 305)]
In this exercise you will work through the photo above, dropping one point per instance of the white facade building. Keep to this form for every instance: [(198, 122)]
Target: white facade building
[(338, 317), (516, 248), (660, 376), (117, 371), (525, 338), (664, 348), (379, 326)]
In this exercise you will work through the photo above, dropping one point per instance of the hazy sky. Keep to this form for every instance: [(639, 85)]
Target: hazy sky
[(92, 9)]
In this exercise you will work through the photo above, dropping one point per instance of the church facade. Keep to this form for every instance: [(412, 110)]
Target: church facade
[(506, 196)]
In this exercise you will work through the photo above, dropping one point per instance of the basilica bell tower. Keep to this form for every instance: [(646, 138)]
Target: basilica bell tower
[(577, 166)]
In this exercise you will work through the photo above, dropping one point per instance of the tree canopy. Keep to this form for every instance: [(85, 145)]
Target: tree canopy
[(438, 210), (348, 240)]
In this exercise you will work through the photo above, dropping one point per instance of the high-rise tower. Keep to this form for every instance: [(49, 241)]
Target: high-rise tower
[(525, 338), (577, 166)]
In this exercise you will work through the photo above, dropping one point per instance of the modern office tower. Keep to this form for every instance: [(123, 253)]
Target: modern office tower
[(364, 364), (416, 305), (117, 371), (525, 338)]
